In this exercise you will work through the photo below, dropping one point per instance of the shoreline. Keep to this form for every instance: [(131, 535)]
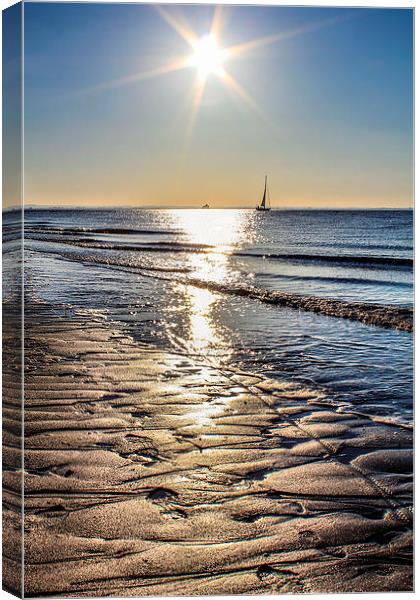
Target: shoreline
[(153, 473)]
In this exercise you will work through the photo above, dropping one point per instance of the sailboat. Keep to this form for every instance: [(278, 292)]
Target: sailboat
[(266, 195)]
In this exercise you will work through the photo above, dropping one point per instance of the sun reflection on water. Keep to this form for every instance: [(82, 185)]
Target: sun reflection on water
[(217, 233), (216, 227)]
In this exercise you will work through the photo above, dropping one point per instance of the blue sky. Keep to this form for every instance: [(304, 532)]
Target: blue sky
[(11, 109), (330, 118)]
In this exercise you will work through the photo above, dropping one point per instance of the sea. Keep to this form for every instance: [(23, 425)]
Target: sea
[(318, 298)]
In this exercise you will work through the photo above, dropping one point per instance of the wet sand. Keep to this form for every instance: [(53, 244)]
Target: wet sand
[(152, 473)]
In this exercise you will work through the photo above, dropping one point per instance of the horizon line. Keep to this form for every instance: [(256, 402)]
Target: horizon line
[(186, 207)]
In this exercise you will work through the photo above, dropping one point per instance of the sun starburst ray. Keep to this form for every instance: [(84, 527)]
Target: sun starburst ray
[(239, 49), (175, 65), (234, 86), (217, 22), (177, 25)]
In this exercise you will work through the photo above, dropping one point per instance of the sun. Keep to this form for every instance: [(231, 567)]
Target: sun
[(208, 57)]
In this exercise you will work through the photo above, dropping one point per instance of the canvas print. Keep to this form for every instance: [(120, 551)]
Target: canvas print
[(207, 299)]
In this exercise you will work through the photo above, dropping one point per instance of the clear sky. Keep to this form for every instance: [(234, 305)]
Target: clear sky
[(323, 105)]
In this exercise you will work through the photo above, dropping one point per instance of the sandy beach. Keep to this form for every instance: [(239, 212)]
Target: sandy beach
[(153, 473)]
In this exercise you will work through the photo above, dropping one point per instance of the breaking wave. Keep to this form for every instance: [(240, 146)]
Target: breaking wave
[(391, 317), (340, 258)]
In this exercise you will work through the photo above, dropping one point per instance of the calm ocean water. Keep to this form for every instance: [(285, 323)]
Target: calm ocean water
[(206, 281)]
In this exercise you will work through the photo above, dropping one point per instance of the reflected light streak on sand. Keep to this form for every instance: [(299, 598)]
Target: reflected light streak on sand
[(203, 333), (205, 339)]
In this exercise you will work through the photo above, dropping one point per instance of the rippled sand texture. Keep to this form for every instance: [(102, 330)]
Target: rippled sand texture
[(12, 439), (150, 474)]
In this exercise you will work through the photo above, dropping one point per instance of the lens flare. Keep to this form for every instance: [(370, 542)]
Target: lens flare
[(208, 57)]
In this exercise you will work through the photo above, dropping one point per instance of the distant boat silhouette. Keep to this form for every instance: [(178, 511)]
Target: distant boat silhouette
[(266, 195), (206, 206)]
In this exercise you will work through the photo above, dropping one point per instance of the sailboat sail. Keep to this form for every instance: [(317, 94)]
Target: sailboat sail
[(265, 193), (263, 205)]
